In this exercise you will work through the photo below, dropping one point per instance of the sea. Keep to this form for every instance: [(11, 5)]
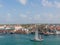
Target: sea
[(25, 39)]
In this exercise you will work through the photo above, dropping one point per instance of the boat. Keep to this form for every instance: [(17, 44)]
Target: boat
[(37, 37)]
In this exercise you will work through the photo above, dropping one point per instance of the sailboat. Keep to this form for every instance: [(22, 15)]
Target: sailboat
[(36, 37)]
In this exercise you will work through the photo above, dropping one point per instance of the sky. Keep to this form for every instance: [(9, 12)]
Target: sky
[(29, 11)]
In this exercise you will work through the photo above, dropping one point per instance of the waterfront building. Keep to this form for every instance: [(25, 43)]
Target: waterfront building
[(17, 27), (58, 29)]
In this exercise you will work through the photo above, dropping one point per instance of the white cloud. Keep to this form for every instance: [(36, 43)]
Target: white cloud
[(57, 4), (47, 3), (1, 5), (30, 18), (33, 4), (23, 2), (14, 9), (28, 12), (8, 17), (37, 17), (44, 18), (23, 16), (49, 15)]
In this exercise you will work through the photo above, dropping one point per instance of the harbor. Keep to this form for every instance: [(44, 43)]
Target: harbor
[(30, 29), (29, 22), (21, 39), (30, 34)]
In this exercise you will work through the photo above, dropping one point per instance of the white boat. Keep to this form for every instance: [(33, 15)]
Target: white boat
[(37, 38)]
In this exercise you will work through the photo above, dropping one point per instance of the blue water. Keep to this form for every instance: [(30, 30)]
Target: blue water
[(21, 39)]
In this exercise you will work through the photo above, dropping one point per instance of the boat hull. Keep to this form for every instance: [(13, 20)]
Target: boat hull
[(37, 40)]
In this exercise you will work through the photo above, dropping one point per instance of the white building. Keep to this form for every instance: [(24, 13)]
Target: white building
[(57, 32), (26, 30), (18, 27), (2, 27)]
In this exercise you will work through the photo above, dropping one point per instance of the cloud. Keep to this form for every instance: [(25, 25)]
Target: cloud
[(47, 18), (23, 2), (37, 17), (1, 5), (33, 4), (50, 18), (8, 17), (28, 12), (47, 3), (14, 9), (44, 17), (23, 16), (57, 4), (40, 18)]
